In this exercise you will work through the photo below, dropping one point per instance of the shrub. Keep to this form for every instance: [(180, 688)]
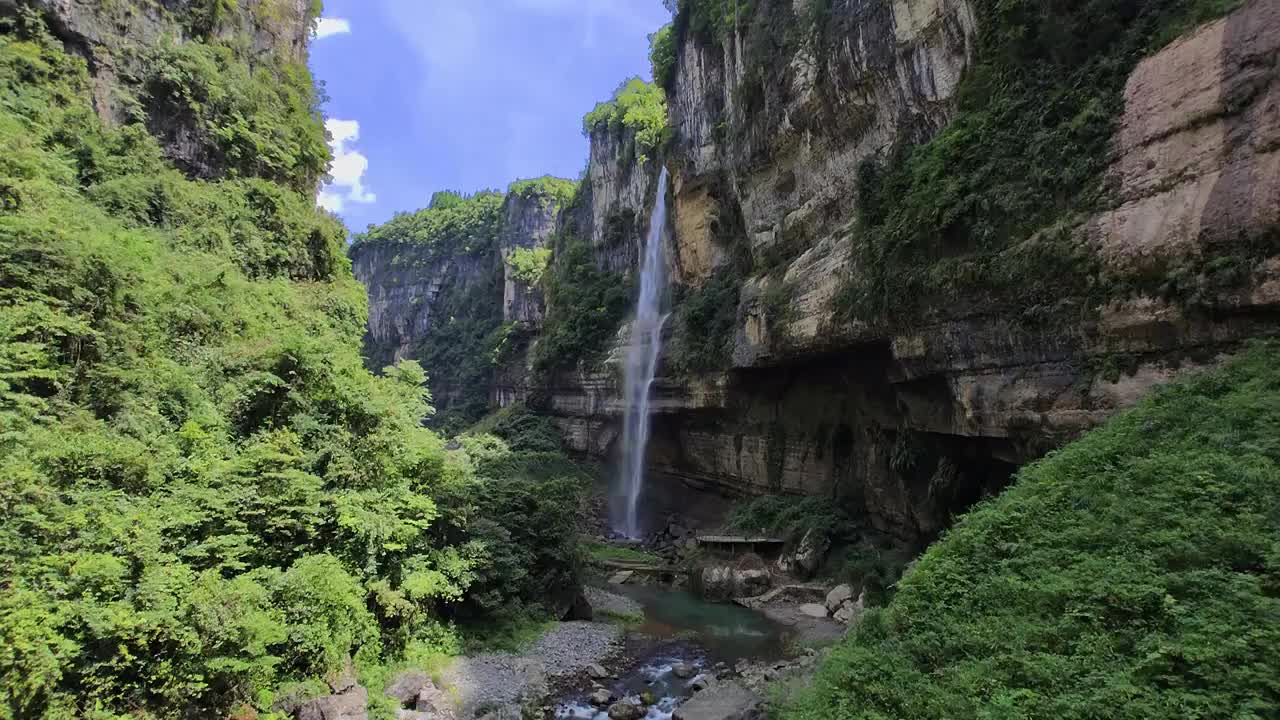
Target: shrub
[(1132, 574), (662, 56), (207, 498), (705, 321), (1023, 159), (585, 307), (637, 106)]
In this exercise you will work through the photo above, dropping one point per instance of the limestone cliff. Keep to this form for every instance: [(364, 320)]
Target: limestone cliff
[(909, 422), (135, 50), (442, 290), (909, 409)]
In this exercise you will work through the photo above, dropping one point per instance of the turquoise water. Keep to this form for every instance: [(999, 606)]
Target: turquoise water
[(683, 630), (725, 632)]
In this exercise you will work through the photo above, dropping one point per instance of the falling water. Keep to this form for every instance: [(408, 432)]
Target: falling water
[(642, 358)]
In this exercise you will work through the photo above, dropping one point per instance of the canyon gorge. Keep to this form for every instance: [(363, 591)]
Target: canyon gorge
[(908, 409)]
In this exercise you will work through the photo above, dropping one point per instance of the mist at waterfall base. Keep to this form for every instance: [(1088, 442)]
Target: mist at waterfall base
[(641, 363)]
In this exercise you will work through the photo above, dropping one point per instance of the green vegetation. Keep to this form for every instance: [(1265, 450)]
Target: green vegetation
[(602, 552), (1133, 574), (528, 264), (713, 19), (453, 224), (458, 346), (208, 502), (585, 308), (548, 189), (662, 56), (249, 122), (787, 516), (705, 320), (637, 106), (988, 206)]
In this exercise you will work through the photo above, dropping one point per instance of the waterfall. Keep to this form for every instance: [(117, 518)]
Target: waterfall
[(642, 359)]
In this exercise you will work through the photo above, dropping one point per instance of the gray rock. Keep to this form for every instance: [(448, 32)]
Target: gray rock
[(838, 595), (682, 670), (814, 610), (812, 551), (596, 671), (625, 710), (728, 701), (702, 682), (350, 705), (433, 701), (621, 577), (406, 686), (748, 576), (601, 697)]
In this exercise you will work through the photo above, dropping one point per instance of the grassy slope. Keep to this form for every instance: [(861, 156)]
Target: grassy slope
[(1133, 574)]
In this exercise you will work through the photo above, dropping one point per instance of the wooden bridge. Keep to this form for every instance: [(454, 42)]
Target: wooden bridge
[(736, 543)]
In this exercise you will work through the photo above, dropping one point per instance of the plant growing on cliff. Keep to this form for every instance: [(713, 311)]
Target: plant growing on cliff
[(585, 308), (636, 106), (250, 122), (529, 264), (1132, 574), (548, 189), (662, 56), (453, 224), (988, 206), (705, 320)]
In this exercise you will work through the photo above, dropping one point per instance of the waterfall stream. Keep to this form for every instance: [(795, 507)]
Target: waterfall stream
[(642, 359)]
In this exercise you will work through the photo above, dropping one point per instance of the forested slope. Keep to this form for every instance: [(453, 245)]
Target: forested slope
[(205, 498), (1133, 574)]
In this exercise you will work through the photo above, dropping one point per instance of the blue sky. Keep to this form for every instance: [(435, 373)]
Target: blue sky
[(429, 95)]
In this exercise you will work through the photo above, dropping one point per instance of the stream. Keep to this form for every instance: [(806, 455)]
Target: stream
[(679, 628)]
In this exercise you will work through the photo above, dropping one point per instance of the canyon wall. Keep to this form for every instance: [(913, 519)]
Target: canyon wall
[(908, 421)]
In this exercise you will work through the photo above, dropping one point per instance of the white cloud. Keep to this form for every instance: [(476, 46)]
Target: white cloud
[(332, 26), (346, 172)]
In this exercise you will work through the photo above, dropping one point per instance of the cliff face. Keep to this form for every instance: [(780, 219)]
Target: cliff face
[(909, 423), (124, 43), (443, 291), (779, 124)]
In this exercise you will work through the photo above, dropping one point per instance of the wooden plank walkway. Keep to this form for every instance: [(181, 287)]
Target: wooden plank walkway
[(738, 540)]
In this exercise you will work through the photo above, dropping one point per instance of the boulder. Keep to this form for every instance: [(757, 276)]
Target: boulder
[(596, 671), (747, 576), (433, 701), (601, 697), (752, 582), (682, 670), (350, 705), (625, 710), (813, 610), (811, 551), (621, 577), (406, 686), (702, 682), (728, 701), (838, 595)]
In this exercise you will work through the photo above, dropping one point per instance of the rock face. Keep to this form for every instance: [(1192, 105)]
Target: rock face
[(908, 425), (407, 284), (111, 36), (416, 289), (905, 425), (745, 577), (350, 705)]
